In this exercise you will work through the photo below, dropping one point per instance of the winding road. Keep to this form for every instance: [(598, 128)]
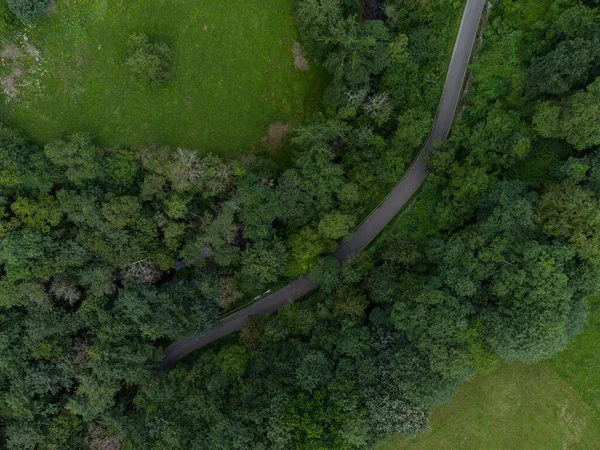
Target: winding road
[(379, 218)]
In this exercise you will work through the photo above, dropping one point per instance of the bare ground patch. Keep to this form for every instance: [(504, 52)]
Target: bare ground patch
[(300, 62), (12, 56), (11, 52), (51, 7), (20, 60), (277, 133)]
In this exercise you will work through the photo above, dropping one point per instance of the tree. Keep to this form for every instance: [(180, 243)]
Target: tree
[(326, 273), (28, 10), (148, 60), (208, 176), (259, 207), (379, 108), (262, 264), (566, 67), (233, 360), (298, 209), (359, 50), (315, 19), (354, 341), (251, 334), (40, 215), (314, 370), (321, 178), (121, 212), (335, 225), (122, 166), (80, 159), (499, 142), (23, 166), (391, 414), (305, 249), (575, 119), (424, 46), (21, 253), (166, 311), (572, 212), (582, 118), (523, 285)]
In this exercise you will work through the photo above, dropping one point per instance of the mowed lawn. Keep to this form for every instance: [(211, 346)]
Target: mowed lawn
[(552, 405), (233, 74)]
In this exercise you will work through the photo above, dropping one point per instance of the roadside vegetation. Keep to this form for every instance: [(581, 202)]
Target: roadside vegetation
[(109, 252)]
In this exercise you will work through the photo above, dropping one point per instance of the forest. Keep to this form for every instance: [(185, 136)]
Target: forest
[(107, 255)]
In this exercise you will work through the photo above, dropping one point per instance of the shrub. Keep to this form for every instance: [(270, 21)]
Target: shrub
[(8, 20), (149, 60), (28, 10)]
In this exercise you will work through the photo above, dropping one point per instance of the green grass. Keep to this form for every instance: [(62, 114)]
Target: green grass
[(518, 407), (552, 405), (579, 364), (233, 74)]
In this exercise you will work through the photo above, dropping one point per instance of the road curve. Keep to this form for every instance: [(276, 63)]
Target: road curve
[(379, 218)]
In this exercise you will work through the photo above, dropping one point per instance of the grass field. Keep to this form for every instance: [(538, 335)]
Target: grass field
[(579, 365), (232, 75), (552, 405)]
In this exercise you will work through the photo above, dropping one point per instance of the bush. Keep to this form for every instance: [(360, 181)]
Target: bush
[(150, 60), (28, 10), (8, 20)]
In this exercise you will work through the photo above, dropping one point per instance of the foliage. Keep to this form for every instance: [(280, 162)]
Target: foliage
[(149, 60), (28, 10), (575, 119)]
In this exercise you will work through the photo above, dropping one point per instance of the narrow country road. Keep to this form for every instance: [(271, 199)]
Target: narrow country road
[(379, 218)]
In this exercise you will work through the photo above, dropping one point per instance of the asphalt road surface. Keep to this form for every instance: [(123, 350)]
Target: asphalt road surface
[(379, 218)]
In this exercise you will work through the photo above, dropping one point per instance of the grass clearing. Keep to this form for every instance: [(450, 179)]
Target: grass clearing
[(527, 407), (551, 405), (579, 364), (232, 75)]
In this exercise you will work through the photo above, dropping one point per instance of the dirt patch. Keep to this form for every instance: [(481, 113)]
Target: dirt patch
[(12, 56), (11, 52), (574, 428), (31, 50), (300, 62), (277, 133), (21, 66), (9, 86), (51, 7)]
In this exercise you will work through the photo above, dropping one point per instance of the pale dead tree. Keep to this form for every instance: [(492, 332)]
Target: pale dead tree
[(142, 271), (97, 437), (391, 12), (186, 170), (210, 174), (81, 350), (218, 175), (379, 107), (64, 290), (356, 98)]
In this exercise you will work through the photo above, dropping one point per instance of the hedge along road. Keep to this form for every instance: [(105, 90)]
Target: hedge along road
[(379, 218)]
